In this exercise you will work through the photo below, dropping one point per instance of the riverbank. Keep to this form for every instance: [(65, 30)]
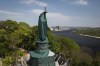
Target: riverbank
[(93, 32), (86, 35), (89, 36), (82, 41)]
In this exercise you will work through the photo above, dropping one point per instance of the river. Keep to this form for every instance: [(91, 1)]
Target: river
[(83, 41)]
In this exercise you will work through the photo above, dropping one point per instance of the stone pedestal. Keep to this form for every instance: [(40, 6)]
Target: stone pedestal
[(41, 59), (41, 56)]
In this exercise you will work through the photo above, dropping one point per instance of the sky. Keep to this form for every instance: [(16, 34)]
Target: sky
[(75, 13)]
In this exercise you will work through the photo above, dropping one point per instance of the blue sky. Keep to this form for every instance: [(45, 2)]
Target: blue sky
[(60, 12)]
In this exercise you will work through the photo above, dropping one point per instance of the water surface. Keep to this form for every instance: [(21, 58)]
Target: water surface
[(91, 43)]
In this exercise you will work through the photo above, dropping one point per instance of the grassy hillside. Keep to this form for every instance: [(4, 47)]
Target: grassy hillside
[(14, 35)]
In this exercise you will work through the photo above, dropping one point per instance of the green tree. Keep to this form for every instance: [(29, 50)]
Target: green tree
[(9, 25), (96, 61), (54, 45)]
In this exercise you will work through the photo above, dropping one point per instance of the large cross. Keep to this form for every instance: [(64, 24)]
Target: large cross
[(45, 9)]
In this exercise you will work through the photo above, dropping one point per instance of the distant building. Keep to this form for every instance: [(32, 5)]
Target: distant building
[(51, 28)]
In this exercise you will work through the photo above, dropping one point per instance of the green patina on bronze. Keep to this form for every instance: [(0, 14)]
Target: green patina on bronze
[(42, 27), (39, 57)]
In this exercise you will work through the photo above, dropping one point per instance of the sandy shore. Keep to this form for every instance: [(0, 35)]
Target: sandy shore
[(89, 36)]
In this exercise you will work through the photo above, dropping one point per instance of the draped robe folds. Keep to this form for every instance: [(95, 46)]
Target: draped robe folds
[(42, 27)]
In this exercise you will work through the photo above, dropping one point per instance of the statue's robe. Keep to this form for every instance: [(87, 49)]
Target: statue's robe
[(42, 27)]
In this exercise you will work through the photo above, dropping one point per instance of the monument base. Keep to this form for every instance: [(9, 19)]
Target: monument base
[(38, 59)]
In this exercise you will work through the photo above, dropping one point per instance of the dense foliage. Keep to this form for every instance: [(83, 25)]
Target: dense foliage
[(14, 35), (88, 31)]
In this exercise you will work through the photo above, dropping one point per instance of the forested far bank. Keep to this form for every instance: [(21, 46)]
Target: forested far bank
[(92, 32), (15, 35)]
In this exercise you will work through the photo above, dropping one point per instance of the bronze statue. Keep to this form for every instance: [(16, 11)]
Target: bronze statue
[(41, 55), (42, 26)]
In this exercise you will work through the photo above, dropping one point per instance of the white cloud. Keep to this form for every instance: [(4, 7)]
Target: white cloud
[(37, 11), (54, 18), (59, 16), (51, 14), (36, 2), (16, 16), (10, 13), (81, 2)]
